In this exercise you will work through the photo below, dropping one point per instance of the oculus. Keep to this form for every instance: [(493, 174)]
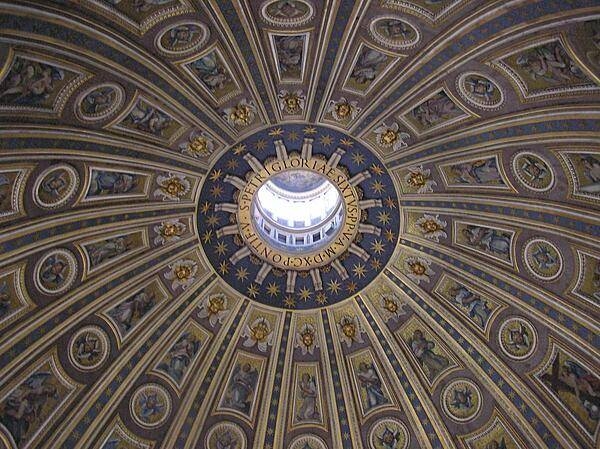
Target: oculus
[(337, 236), (273, 186), (298, 210)]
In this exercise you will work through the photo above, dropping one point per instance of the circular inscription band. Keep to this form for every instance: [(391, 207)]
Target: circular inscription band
[(298, 216), (321, 256)]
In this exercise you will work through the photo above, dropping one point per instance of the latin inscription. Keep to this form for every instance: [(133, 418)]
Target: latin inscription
[(320, 257)]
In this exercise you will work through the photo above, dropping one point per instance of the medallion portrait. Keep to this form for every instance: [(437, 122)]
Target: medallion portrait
[(533, 171), (55, 271), (55, 186), (89, 348), (461, 400), (150, 405), (518, 338)]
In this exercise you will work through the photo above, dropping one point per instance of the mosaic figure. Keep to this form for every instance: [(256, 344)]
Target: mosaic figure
[(389, 434), (549, 63), (370, 383), (213, 74), (32, 83), (6, 189), (496, 434), (591, 173), (480, 172), (146, 5), (56, 271), (32, 403), (225, 435), (240, 389), (575, 387), (131, 311), (436, 110), (106, 182), (425, 352), (99, 100), (89, 348), (290, 55), (480, 87), (101, 252), (183, 38), (149, 119), (395, 29), (546, 69), (461, 400), (588, 282), (542, 258), (480, 91), (5, 299), (13, 301), (307, 441), (368, 66), (584, 170), (476, 307), (182, 35), (287, 9), (54, 184), (180, 356), (309, 410), (489, 240), (592, 35)]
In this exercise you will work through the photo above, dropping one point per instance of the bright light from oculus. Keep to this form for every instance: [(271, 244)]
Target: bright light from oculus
[(298, 210)]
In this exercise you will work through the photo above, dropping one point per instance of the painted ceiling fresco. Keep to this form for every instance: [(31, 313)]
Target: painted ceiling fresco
[(460, 310)]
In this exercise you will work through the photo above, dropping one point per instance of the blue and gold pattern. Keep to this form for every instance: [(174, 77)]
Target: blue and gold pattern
[(463, 314), (377, 193)]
